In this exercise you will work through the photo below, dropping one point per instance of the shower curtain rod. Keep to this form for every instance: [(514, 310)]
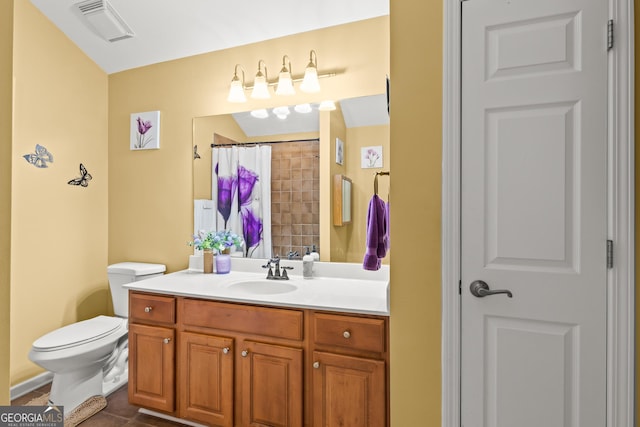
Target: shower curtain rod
[(248, 144)]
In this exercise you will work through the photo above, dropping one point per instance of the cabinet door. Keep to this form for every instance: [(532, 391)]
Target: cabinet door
[(348, 391), (271, 385), (206, 379), (151, 367)]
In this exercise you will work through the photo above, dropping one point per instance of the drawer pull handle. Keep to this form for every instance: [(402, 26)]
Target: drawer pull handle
[(346, 334), (226, 350), (316, 365), (244, 353), (148, 309), (166, 340)]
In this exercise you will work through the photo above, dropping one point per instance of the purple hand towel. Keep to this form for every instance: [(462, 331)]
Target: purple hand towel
[(376, 234)]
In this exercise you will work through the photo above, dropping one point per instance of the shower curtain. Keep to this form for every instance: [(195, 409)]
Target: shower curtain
[(241, 193)]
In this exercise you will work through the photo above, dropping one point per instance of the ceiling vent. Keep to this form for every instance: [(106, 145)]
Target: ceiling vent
[(102, 17)]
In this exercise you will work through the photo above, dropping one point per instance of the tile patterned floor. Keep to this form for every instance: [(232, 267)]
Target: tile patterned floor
[(118, 412)]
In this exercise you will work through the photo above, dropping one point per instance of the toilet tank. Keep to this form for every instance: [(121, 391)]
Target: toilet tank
[(126, 272)]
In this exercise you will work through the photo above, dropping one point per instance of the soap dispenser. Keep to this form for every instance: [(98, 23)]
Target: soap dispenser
[(307, 265), (314, 254)]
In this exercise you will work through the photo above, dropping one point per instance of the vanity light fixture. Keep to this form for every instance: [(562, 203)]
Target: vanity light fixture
[(284, 85), (327, 106), (310, 83), (285, 82), (260, 85), (281, 112), (236, 89), (260, 114), (303, 108)]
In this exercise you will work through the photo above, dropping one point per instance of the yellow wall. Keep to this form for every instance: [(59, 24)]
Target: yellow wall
[(416, 135), (150, 192), (362, 180), (6, 100), (338, 235), (203, 130), (58, 231)]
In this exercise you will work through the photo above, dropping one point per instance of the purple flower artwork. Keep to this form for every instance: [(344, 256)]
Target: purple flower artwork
[(371, 157), (246, 181), (239, 179), (145, 130), (143, 127), (251, 223), (226, 192), (251, 230)]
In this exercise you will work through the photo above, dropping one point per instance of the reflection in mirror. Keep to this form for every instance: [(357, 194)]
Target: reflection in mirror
[(341, 200), (274, 201), (358, 122)]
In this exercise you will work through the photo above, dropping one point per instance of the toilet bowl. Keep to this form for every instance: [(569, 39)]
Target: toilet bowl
[(90, 357)]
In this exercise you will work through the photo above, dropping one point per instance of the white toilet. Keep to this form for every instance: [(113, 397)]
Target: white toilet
[(90, 357)]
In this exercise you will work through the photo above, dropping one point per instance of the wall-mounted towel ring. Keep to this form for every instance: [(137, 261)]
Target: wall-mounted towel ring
[(375, 181)]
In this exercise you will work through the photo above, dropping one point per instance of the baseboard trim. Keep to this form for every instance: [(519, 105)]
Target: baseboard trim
[(169, 417), (29, 385)]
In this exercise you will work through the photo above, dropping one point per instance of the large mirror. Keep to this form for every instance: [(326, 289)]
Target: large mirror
[(303, 149)]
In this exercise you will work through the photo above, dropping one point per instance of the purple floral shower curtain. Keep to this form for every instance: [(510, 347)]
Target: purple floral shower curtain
[(241, 193)]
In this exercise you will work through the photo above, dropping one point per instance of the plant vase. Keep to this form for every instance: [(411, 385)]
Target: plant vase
[(207, 256), (223, 263)]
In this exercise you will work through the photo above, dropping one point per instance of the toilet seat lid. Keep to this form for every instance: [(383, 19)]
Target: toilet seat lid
[(79, 333)]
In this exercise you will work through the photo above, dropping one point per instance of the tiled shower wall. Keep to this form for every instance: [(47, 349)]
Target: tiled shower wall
[(295, 196)]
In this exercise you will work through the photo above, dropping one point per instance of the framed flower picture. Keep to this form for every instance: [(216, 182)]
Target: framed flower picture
[(339, 151), (371, 157), (145, 131)]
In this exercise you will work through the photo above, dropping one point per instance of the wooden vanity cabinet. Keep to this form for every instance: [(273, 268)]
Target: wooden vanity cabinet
[(231, 364), (271, 389), (206, 378), (349, 370), (240, 364), (152, 351)]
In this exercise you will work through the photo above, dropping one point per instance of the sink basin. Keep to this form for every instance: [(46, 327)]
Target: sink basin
[(264, 287)]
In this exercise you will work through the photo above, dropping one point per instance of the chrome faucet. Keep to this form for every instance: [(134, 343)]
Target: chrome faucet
[(276, 274), (292, 254)]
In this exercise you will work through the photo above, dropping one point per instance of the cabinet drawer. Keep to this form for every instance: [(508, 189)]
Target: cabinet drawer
[(271, 322), (358, 333), (151, 308)]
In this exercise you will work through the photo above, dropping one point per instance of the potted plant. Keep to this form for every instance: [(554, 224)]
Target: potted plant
[(219, 242)]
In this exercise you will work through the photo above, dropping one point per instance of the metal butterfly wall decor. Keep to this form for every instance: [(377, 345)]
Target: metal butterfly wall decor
[(40, 158), (84, 179)]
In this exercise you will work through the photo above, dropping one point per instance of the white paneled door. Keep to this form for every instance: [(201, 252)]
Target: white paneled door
[(534, 213)]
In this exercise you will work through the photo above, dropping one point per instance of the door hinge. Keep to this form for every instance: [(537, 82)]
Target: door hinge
[(610, 34), (609, 253), (459, 287)]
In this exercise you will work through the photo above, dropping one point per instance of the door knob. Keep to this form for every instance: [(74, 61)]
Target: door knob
[(480, 289)]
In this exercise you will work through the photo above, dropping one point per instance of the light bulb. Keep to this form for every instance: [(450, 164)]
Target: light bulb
[(310, 83), (260, 114), (236, 91)]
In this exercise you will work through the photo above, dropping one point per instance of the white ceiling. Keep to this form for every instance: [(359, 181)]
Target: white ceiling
[(172, 29)]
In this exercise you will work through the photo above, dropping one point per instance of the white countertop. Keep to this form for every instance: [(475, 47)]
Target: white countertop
[(342, 287)]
